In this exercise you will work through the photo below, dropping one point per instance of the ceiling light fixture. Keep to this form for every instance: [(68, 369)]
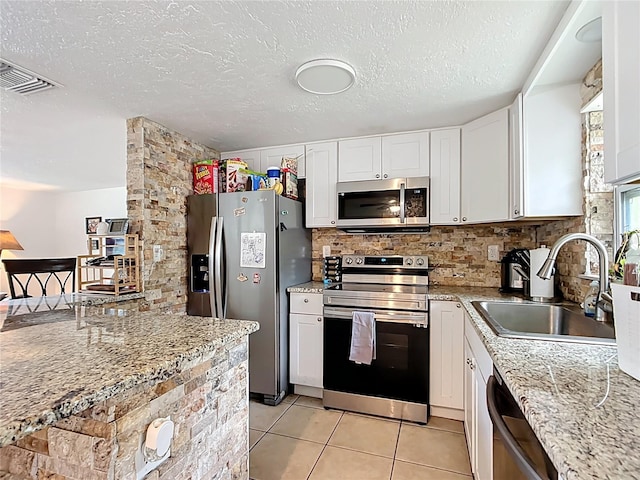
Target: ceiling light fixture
[(325, 77), (591, 31)]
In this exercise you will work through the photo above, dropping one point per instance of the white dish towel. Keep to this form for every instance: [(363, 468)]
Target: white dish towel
[(363, 338)]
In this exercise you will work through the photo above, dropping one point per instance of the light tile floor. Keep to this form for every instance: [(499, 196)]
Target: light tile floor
[(300, 440)]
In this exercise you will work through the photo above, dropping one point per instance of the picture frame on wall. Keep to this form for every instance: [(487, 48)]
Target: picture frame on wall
[(91, 224)]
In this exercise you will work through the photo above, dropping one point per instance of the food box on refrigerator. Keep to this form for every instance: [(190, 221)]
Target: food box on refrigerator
[(205, 176), (233, 175)]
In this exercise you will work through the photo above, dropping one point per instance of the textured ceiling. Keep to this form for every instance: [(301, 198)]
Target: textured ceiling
[(222, 73)]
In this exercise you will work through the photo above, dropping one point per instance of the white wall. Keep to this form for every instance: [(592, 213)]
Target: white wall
[(73, 207), (52, 224)]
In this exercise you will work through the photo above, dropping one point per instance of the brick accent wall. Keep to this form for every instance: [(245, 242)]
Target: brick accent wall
[(209, 404), (159, 179), (457, 254)]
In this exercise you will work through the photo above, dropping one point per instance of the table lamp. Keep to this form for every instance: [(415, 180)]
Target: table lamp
[(8, 241)]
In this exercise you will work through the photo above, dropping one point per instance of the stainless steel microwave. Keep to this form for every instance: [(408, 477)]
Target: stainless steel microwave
[(378, 205)]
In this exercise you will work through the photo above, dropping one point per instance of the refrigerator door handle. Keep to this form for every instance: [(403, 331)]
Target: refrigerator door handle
[(210, 265), (220, 310)]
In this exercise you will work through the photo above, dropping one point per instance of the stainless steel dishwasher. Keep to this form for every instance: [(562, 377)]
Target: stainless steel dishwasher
[(517, 453)]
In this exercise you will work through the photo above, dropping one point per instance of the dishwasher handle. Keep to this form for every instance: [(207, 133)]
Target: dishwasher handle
[(518, 455)]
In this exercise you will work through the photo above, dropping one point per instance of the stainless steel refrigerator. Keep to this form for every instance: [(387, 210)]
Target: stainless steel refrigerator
[(245, 249)]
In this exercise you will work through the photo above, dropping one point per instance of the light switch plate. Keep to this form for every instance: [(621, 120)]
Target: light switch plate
[(494, 253), (326, 251), (157, 253)]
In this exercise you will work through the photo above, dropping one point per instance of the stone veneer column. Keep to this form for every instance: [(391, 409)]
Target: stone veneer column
[(209, 404), (159, 179)]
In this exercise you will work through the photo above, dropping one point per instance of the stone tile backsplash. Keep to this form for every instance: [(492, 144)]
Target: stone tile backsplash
[(457, 254)]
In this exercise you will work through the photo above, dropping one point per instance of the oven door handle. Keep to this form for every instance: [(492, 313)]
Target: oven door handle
[(510, 443), (410, 318)]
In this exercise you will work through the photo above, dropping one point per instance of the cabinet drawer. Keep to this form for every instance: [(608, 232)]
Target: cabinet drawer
[(306, 303)]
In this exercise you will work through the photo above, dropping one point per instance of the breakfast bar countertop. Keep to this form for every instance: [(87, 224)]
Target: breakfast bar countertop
[(63, 360)]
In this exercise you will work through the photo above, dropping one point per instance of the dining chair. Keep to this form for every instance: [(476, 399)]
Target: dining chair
[(53, 275)]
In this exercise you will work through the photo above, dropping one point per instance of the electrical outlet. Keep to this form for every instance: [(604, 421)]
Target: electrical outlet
[(157, 253), (494, 253), (326, 251)]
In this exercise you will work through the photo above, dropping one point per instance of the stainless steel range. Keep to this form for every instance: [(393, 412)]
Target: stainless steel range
[(396, 384)]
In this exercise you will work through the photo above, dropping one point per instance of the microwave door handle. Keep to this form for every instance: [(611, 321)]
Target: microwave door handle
[(402, 199), (211, 265), (510, 443)]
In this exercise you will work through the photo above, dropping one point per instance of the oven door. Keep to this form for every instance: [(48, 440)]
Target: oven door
[(401, 368)]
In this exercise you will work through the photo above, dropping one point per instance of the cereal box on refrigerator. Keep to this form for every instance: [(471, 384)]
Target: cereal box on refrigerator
[(205, 176), (289, 169), (233, 175)]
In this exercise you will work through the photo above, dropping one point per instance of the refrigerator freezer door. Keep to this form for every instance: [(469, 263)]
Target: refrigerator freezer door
[(200, 211), (250, 226)]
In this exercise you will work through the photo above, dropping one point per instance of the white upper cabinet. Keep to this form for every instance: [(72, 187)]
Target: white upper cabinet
[(272, 157), (405, 155), (485, 168), (322, 174), (552, 127), (359, 159), (621, 82), (516, 159), (250, 157), (389, 156), (445, 177)]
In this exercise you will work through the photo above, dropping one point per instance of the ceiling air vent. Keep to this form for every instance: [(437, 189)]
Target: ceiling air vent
[(22, 81)]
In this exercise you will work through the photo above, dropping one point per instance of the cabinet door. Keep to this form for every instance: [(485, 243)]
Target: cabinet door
[(405, 155), (470, 403), (445, 177), (272, 157), (485, 168), (484, 431), (322, 173), (359, 159), (621, 77), (516, 159), (446, 362), (305, 347), (251, 157)]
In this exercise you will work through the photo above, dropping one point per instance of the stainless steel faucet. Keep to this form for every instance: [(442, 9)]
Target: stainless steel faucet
[(604, 302)]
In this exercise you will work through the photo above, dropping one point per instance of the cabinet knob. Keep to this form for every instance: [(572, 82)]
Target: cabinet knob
[(377, 175), (464, 219), (319, 319), (516, 211), (306, 300), (385, 175), (458, 305), (468, 361), (333, 222), (472, 366), (455, 219)]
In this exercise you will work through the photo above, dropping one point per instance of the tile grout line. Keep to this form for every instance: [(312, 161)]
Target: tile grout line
[(325, 446), (395, 451)]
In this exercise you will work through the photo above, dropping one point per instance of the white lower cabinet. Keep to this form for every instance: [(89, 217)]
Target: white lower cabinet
[(477, 423), (446, 366), (306, 341)]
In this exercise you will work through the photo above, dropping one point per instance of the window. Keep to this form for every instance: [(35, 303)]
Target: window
[(629, 208)]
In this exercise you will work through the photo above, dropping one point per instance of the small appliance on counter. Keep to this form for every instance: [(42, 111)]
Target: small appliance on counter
[(540, 290), (513, 265)]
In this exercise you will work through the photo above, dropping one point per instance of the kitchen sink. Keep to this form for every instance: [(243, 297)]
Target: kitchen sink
[(543, 322)]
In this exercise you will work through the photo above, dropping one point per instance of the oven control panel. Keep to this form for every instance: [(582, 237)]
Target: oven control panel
[(417, 262)]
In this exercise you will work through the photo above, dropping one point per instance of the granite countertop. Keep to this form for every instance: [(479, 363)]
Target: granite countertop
[(580, 405), (59, 362)]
